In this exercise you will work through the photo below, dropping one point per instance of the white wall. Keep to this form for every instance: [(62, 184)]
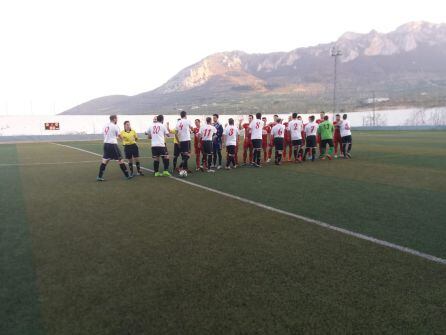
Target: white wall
[(92, 124)]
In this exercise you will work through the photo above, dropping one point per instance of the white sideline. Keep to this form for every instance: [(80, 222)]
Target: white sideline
[(297, 216)]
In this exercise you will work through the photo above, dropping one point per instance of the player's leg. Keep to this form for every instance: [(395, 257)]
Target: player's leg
[(236, 154), (185, 153), (331, 149), (349, 149), (116, 155), (156, 153), (165, 157), (197, 158), (245, 152), (176, 154)]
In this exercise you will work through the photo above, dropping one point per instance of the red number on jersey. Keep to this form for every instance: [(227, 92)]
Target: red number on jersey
[(296, 126), (181, 126), (156, 129), (312, 128), (207, 132), (231, 131), (106, 130), (279, 132), (257, 125)]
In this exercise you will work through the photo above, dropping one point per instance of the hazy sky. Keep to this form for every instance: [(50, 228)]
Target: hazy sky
[(56, 54)]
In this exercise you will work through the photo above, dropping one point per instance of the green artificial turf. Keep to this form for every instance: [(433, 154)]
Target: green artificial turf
[(155, 256)]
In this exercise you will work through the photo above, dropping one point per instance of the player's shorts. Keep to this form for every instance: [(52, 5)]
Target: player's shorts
[(278, 143), (257, 143), (247, 144), (159, 151), (347, 139), (111, 151), (184, 146), (325, 142), (296, 143), (207, 147), (176, 150), (230, 149), (130, 151), (311, 141)]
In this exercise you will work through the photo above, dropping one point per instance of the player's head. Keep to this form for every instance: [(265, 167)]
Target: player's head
[(326, 118), (183, 114), (127, 126), (322, 114), (338, 117), (289, 117), (279, 120), (294, 115), (208, 120), (197, 122), (264, 120), (154, 118), (275, 117), (250, 117), (215, 118), (114, 119), (258, 115), (160, 119), (344, 117), (299, 117), (311, 118), (231, 121)]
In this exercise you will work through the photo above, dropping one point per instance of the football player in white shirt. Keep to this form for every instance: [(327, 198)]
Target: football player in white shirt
[(346, 136), (230, 134), (278, 133), (256, 127), (295, 128), (111, 150), (311, 141), (184, 127), (207, 133), (157, 132)]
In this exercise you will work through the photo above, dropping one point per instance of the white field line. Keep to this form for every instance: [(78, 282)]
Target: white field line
[(299, 217), (45, 163)]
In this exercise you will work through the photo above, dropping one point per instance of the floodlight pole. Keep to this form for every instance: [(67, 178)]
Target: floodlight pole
[(335, 52)]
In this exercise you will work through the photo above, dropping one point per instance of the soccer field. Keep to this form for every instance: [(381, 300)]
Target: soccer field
[(162, 256)]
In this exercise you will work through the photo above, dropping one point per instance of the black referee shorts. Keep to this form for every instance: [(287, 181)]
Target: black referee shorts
[(111, 151), (130, 151), (176, 150)]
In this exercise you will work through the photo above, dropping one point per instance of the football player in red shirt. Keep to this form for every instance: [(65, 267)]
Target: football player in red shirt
[(337, 135), (266, 131), (197, 144), (271, 144), (247, 144)]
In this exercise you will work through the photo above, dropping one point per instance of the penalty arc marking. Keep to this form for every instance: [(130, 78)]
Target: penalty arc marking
[(394, 246)]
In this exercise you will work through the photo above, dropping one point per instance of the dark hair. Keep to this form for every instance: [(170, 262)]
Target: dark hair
[(183, 114), (344, 116), (312, 117), (160, 118), (258, 115), (326, 117), (231, 121), (208, 119), (250, 115), (125, 122), (113, 117), (322, 112), (276, 116), (338, 115), (216, 115), (197, 120), (294, 115)]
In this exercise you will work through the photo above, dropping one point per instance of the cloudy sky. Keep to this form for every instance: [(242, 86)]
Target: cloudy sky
[(57, 54)]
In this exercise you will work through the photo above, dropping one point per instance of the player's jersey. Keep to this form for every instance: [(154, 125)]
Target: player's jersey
[(111, 132), (183, 129), (311, 129), (231, 133), (219, 134), (247, 132), (278, 131), (173, 132), (129, 137), (345, 128), (265, 131), (295, 127), (197, 139), (326, 130), (158, 132), (256, 127), (207, 132), (337, 133), (287, 135)]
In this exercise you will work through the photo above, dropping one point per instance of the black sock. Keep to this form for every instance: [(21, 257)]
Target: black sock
[(175, 158), (259, 156), (209, 161), (313, 153), (166, 164), (131, 167), (156, 166), (138, 167), (279, 157), (101, 170), (124, 169), (219, 157)]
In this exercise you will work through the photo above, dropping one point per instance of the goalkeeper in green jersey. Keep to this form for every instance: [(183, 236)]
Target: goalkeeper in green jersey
[(326, 131)]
